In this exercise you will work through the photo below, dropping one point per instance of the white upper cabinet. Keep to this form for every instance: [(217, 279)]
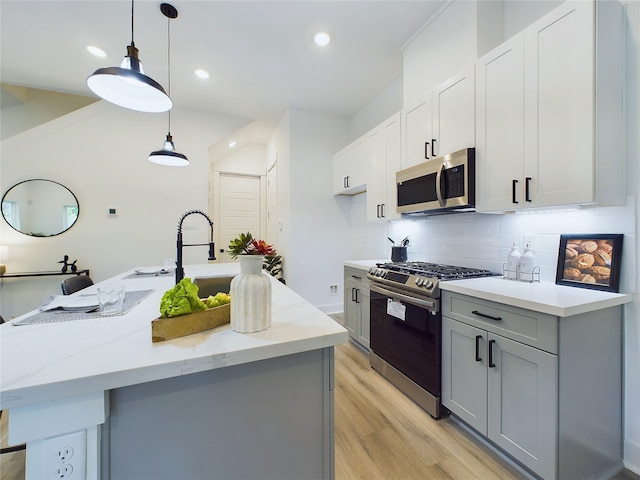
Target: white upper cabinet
[(383, 161), (549, 112), (454, 113), (350, 168), (500, 125), (442, 122), (416, 133)]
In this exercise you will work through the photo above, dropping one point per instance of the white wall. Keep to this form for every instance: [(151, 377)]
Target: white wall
[(100, 154), (35, 108), (315, 225)]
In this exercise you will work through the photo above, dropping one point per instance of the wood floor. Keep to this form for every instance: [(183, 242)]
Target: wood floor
[(379, 434)]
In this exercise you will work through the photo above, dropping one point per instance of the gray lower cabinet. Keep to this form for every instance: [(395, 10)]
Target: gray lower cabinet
[(356, 305), (545, 390)]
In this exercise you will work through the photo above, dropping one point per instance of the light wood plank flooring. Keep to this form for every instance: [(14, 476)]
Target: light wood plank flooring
[(380, 434)]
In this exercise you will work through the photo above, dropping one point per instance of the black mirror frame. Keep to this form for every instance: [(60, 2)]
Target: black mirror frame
[(43, 180)]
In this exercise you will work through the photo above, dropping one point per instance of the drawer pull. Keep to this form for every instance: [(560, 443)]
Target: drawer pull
[(478, 338), (490, 317), (491, 364)]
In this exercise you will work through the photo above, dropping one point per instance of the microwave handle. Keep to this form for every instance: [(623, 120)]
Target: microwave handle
[(440, 186)]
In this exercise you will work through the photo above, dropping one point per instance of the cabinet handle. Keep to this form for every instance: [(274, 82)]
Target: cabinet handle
[(490, 317), (478, 338), (527, 189), (426, 150), (353, 294), (357, 290), (514, 184), (347, 181), (382, 210), (433, 145), (491, 364)]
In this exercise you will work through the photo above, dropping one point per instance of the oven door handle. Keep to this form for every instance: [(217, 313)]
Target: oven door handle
[(405, 298)]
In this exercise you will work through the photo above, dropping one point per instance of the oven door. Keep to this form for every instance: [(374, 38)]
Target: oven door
[(406, 332)]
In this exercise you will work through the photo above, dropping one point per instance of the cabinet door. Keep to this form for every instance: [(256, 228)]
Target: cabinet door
[(364, 328), (523, 403), (500, 127), (351, 308), (454, 113), (416, 133), (464, 372), (340, 171), (559, 106), (357, 165), (375, 175), (392, 163)]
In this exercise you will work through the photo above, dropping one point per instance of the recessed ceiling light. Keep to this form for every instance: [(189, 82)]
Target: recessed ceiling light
[(232, 144), (321, 39), (202, 73), (98, 52)]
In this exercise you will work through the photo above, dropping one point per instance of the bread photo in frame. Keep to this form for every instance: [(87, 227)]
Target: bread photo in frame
[(590, 261)]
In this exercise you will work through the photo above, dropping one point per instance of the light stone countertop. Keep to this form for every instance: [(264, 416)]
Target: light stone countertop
[(544, 297), (363, 264), (45, 362)]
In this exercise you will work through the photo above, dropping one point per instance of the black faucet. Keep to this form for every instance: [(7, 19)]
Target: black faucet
[(212, 256)]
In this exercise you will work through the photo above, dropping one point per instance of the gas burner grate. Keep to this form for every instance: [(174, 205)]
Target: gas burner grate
[(443, 272)]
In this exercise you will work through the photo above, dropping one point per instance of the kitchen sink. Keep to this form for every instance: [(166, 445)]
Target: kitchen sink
[(212, 285)]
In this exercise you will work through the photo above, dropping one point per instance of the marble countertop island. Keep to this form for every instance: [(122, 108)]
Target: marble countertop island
[(45, 362)]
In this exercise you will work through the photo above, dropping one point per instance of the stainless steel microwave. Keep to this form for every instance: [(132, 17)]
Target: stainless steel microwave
[(442, 185)]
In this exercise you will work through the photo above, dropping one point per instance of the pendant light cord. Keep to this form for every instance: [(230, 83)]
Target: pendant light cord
[(169, 65), (132, 43)]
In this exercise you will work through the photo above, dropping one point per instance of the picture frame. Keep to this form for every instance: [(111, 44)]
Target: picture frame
[(590, 261)]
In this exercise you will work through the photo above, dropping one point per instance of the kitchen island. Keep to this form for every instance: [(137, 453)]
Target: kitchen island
[(216, 404)]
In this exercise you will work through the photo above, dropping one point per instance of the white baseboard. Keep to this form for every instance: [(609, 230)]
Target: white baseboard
[(632, 456), (328, 309)]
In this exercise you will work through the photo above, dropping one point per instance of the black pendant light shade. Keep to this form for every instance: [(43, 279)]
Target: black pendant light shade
[(128, 86), (168, 155)]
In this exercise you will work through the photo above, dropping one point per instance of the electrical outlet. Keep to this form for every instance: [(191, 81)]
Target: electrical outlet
[(333, 289), (64, 471), (65, 456)]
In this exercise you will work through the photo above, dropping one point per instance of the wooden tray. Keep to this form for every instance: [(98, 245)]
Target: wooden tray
[(167, 328)]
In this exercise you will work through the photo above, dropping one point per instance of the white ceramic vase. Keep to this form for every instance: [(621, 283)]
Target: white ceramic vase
[(250, 296)]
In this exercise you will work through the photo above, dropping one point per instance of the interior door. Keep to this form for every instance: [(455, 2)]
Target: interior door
[(239, 199), (272, 205)]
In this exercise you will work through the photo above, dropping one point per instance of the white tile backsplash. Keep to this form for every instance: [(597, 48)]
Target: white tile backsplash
[(484, 240)]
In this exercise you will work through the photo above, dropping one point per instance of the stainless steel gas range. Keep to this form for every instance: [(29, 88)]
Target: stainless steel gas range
[(406, 326)]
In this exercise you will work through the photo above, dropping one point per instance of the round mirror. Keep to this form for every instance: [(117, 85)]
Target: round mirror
[(40, 208)]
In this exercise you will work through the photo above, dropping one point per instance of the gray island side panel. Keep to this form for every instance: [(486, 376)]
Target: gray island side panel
[(271, 419)]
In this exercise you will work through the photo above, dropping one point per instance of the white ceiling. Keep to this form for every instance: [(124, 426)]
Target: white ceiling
[(260, 54)]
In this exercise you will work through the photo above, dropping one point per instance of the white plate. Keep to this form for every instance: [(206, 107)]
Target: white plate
[(72, 303), (154, 271)]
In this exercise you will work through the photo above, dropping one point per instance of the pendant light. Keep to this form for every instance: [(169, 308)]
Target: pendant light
[(168, 155), (128, 86)]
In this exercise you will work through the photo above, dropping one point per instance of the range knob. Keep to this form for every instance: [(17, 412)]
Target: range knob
[(377, 272), (428, 284), (419, 281)]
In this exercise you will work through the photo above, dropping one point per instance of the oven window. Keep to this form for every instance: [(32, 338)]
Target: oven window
[(412, 346)]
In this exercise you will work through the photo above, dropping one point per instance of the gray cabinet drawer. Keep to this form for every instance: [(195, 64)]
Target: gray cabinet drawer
[(356, 275), (538, 330)]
